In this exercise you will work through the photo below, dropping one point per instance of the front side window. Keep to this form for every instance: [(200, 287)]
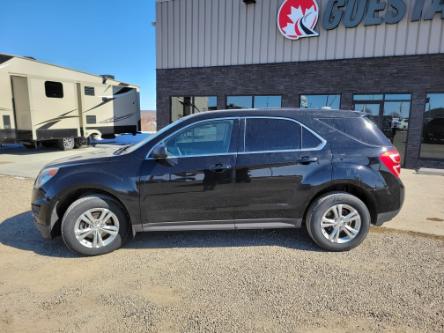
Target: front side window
[(182, 106), (432, 145), (268, 134), (53, 89), (208, 138), (320, 101)]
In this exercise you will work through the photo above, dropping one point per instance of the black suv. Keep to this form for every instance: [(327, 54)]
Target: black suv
[(332, 171)]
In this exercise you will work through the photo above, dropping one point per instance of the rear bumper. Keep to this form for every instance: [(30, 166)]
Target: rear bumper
[(387, 216), (384, 217)]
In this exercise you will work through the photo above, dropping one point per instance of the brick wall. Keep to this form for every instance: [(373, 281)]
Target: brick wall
[(416, 75)]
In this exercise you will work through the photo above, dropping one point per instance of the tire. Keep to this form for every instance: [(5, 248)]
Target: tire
[(96, 205), (66, 143), (324, 210), (29, 145)]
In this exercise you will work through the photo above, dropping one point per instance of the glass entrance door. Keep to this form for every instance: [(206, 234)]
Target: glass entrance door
[(391, 113)]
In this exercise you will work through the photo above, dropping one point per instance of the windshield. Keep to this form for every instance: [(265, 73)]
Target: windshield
[(134, 147)]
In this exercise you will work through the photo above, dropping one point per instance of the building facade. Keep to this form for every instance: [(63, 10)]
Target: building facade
[(382, 57)]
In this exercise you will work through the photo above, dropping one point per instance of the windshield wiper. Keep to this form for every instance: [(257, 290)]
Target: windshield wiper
[(121, 149)]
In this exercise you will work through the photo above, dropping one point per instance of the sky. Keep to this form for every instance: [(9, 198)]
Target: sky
[(96, 36)]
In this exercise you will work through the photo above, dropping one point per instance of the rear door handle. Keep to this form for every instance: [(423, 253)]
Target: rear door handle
[(307, 159), (219, 167)]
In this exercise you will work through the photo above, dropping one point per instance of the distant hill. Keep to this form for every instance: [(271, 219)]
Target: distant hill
[(148, 120)]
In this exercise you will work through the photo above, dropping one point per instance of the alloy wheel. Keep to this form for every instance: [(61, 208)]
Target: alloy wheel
[(341, 223), (96, 228)]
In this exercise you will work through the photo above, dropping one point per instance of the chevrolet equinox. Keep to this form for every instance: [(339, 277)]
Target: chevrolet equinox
[(333, 172)]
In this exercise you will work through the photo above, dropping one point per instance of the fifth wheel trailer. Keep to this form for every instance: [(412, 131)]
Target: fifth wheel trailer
[(44, 103)]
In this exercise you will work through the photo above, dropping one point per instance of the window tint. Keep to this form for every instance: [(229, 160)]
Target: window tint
[(90, 119), (320, 101), (89, 91), (359, 128), (53, 89), (309, 140), (182, 106), (212, 137), (432, 145), (264, 134)]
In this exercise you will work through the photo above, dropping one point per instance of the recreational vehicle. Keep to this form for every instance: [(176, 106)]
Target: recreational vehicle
[(44, 103)]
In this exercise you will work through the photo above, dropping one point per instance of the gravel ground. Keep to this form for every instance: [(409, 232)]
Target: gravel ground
[(233, 281)]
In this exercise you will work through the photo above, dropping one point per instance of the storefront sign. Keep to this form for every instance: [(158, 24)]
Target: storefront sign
[(297, 18)]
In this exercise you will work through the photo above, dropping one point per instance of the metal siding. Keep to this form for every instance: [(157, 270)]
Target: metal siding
[(199, 33)]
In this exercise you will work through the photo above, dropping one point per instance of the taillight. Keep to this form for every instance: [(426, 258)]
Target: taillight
[(392, 160)]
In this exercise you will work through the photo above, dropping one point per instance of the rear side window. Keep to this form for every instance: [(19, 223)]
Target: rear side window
[(359, 128), (309, 140), (267, 134)]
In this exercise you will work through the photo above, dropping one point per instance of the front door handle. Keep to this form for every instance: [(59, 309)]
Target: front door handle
[(219, 167), (307, 159)]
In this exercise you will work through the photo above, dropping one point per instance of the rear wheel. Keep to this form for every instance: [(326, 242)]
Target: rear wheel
[(66, 143), (338, 221), (94, 225)]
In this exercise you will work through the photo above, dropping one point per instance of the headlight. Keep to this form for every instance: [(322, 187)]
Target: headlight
[(44, 176)]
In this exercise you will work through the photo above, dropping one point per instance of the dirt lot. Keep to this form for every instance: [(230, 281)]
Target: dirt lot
[(215, 281)]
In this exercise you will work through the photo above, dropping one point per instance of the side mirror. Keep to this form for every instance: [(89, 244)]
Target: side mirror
[(159, 152)]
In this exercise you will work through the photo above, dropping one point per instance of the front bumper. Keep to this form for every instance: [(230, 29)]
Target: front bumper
[(43, 213)]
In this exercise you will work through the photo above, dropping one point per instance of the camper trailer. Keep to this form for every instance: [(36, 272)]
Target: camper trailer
[(48, 104)]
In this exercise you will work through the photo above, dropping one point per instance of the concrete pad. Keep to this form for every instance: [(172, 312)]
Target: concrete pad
[(423, 209), (430, 171), (15, 160)]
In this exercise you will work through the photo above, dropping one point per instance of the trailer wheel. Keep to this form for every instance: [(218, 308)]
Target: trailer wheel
[(66, 143), (29, 145)]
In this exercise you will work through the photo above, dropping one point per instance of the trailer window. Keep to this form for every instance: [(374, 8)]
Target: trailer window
[(89, 91), (6, 122), (53, 89), (90, 119)]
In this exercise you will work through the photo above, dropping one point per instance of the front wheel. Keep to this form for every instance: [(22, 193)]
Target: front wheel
[(338, 221), (94, 225)]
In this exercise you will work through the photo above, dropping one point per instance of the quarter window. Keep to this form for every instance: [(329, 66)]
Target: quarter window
[(209, 138), (432, 145), (268, 134), (53, 89)]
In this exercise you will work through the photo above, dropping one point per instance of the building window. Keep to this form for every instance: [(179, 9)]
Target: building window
[(6, 122), (249, 102), (320, 101), (261, 135), (53, 89), (89, 91), (432, 145), (90, 119), (182, 106), (391, 112)]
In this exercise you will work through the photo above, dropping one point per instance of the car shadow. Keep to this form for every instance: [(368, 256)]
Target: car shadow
[(19, 232)]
